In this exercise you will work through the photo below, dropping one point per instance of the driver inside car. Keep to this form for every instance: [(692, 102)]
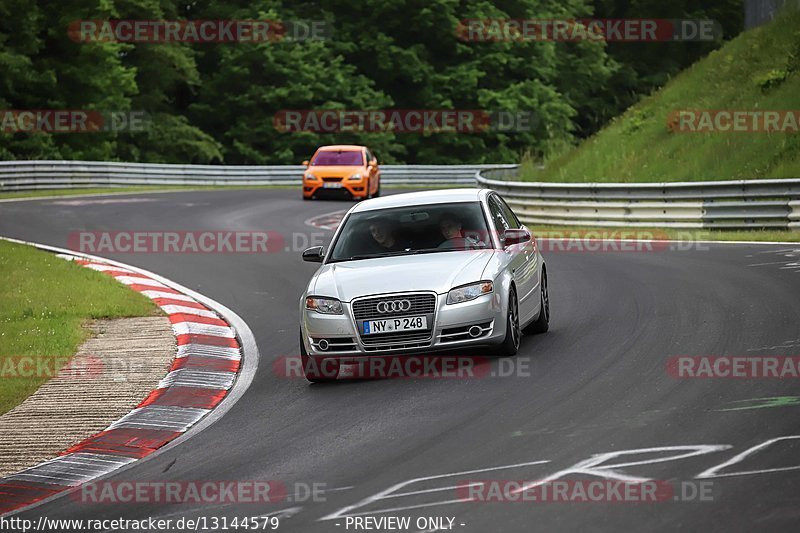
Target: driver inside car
[(383, 234)]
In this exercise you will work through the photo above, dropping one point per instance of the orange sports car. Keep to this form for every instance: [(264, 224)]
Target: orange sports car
[(342, 171)]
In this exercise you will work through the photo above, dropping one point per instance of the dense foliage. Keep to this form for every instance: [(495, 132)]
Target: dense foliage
[(215, 102)]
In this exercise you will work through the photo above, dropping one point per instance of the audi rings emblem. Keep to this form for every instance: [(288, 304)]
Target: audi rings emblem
[(393, 306)]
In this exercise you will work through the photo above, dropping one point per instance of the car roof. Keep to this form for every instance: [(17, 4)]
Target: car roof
[(343, 147), (420, 198)]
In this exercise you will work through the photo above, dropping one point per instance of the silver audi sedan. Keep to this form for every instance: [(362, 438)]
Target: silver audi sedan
[(420, 272)]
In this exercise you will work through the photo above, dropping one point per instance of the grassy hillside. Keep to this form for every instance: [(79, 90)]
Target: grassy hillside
[(759, 70)]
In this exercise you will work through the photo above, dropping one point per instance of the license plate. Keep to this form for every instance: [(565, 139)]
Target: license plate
[(388, 325), (331, 185)]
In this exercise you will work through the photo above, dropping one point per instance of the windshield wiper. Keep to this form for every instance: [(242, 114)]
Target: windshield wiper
[(379, 254), (432, 250), (396, 253), (399, 252)]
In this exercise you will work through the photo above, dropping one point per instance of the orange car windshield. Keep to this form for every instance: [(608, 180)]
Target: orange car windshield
[(330, 159)]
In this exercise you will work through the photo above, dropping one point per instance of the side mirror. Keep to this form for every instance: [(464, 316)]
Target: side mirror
[(305, 163), (314, 255), (515, 236), (373, 163)]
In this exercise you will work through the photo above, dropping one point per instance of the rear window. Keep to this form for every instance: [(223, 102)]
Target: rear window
[(343, 158)]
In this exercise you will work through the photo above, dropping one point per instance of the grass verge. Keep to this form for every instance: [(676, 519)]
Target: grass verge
[(44, 301), (187, 188), (129, 190), (689, 235)]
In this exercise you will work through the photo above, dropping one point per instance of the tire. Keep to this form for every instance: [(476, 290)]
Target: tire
[(368, 194), (306, 198), (318, 370), (377, 191), (542, 322), (510, 344)]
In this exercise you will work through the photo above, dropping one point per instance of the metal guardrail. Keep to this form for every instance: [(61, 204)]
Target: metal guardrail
[(43, 175), (739, 204)]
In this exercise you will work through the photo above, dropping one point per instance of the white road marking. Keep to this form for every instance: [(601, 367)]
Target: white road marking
[(339, 489), (106, 268), (78, 203), (385, 494), (162, 294), (183, 310), (283, 513), (592, 466), (133, 280), (195, 328), (714, 471)]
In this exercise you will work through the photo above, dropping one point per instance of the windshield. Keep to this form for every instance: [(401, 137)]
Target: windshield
[(343, 158), (412, 230)]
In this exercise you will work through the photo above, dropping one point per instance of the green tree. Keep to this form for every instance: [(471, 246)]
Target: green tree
[(246, 84), (648, 66), (41, 68), (167, 80), (411, 51)]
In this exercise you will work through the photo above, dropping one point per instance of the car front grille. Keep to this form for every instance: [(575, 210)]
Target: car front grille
[(332, 179), (421, 304)]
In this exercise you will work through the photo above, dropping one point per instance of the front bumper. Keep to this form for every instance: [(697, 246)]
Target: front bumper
[(348, 189), (339, 336)]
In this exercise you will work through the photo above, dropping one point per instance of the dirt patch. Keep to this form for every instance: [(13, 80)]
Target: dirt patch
[(110, 374)]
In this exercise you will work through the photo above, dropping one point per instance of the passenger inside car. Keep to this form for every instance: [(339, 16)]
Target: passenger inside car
[(451, 229)]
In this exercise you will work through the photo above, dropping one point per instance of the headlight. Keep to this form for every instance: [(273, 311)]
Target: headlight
[(469, 292), (311, 177), (326, 306), (355, 177)]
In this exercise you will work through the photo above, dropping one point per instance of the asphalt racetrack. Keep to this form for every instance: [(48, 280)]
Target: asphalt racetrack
[(597, 382)]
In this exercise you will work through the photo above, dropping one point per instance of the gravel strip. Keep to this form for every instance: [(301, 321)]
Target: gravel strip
[(111, 373)]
